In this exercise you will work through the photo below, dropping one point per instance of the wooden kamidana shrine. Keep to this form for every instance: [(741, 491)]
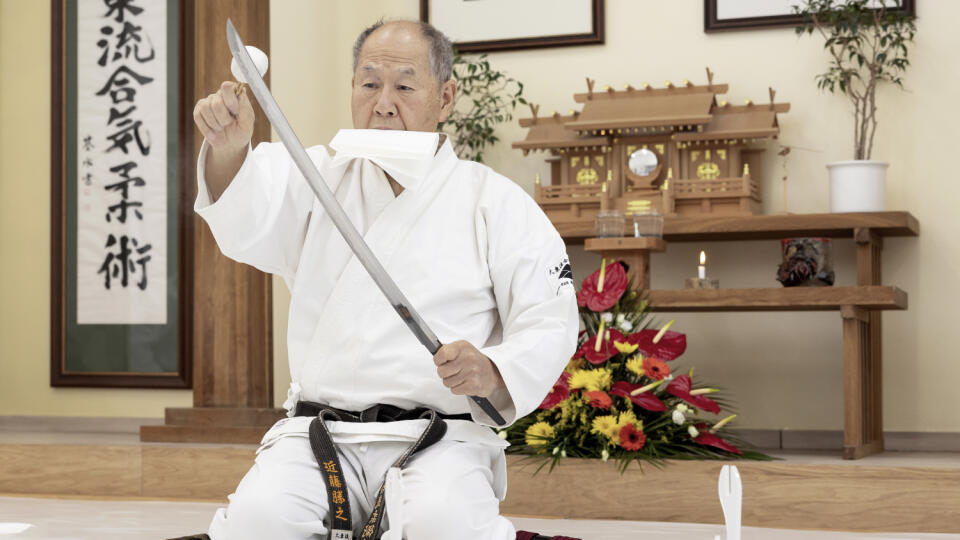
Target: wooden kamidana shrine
[(708, 152)]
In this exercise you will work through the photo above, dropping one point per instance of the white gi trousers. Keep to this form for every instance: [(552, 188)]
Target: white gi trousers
[(450, 490)]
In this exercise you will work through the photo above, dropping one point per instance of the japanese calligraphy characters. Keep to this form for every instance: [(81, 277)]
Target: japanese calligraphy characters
[(121, 161)]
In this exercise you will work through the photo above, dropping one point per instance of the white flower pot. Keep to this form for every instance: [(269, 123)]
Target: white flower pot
[(857, 186)]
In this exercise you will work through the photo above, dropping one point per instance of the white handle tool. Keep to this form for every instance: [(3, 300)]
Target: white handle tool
[(731, 499)]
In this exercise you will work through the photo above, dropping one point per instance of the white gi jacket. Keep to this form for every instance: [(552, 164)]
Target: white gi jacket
[(470, 249)]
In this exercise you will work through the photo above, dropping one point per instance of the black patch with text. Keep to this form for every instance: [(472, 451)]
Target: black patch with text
[(560, 275)]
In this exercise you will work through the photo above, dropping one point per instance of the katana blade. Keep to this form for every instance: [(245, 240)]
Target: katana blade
[(350, 234)]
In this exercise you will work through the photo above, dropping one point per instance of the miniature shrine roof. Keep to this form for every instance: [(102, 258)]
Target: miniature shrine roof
[(741, 122), (632, 108), (687, 113), (549, 132)]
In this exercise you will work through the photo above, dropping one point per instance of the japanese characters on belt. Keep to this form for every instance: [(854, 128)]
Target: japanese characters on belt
[(121, 162)]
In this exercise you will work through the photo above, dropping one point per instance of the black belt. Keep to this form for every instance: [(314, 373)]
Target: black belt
[(338, 500), (377, 413)]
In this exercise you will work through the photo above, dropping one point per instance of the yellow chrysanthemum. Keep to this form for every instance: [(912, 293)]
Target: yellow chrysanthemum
[(538, 433), (591, 379), (581, 378), (627, 417), (626, 348), (635, 364), (604, 425), (604, 379)]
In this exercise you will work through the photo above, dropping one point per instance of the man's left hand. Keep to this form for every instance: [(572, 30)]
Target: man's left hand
[(466, 371)]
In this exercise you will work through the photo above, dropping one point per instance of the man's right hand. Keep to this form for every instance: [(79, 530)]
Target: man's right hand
[(226, 122)]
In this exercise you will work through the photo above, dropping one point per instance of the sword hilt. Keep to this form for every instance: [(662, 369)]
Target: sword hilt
[(482, 402)]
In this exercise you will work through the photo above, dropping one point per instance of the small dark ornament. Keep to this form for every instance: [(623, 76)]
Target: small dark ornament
[(807, 262)]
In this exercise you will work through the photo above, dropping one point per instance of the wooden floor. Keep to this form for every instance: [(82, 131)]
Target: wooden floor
[(892, 492), (93, 519)]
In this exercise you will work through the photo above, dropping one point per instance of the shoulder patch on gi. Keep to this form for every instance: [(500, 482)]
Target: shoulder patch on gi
[(560, 275)]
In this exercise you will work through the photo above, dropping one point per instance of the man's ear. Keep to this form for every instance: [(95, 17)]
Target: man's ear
[(448, 94)]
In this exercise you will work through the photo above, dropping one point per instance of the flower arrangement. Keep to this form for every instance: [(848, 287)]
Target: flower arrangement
[(619, 397)]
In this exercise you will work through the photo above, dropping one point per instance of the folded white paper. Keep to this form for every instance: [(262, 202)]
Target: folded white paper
[(405, 155)]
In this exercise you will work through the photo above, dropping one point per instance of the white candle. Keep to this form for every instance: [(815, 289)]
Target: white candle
[(702, 269)]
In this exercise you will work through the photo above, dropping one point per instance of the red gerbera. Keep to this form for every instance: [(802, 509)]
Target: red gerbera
[(631, 439), (709, 439), (614, 285), (655, 369), (671, 344), (645, 400), (680, 387), (598, 399)]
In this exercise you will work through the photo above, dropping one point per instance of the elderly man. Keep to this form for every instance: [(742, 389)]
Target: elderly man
[(471, 251)]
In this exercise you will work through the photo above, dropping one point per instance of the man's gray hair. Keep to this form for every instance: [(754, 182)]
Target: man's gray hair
[(441, 50)]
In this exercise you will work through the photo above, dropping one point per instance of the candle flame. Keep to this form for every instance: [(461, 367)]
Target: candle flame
[(703, 257)]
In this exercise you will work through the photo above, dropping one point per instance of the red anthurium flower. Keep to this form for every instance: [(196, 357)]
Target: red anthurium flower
[(607, 349), (614, 285), (680, 387), (598, 399), (557, 395), (655, 369), (631, 439), (670, 346), (709, 439), (645, 400)]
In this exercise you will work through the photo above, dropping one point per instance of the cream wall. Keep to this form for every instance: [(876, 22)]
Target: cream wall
[(783, 369)]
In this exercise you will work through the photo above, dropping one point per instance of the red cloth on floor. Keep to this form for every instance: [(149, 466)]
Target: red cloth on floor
[(526, 535)]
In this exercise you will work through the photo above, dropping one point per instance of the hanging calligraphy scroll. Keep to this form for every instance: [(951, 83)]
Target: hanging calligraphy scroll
[(119, 233)]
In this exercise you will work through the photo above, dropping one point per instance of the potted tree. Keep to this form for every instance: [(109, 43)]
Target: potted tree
[(486, 97), (867, 43)]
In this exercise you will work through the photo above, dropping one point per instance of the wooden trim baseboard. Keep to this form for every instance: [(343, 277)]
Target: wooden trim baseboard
[(826, 439), (76, 424), (763, 439)]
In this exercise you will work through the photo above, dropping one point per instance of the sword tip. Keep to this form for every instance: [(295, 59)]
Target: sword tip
[(233, 38)]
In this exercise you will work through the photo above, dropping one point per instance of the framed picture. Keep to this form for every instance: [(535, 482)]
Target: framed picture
[(121, 234), (721, 15), (480, 25)]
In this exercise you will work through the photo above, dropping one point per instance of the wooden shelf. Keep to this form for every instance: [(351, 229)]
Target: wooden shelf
[(683, 229), (625, 243), (872, 297)]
